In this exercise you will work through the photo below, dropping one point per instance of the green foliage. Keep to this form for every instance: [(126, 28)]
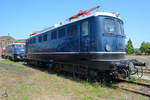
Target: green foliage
[(129, 47), (145, 47)]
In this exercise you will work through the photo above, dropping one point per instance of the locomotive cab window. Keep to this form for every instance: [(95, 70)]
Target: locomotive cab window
[(109, 26), (16, 46), (85, 28), (22, 46), (120, 30)]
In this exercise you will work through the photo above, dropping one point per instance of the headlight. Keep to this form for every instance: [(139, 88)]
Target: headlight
[(108, 48), (18, 56)]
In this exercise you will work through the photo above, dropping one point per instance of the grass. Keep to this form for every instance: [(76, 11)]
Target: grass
[(32, 84), (17, 64)]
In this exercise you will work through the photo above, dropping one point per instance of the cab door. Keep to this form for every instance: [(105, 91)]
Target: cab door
[(84, 37)]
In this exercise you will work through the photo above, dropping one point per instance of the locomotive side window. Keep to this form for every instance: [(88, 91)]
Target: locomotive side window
[(40, 38), (30, 41), (109, 26), (45, 37), (72, 29), (85, 28), (61, 33), (34, 40), (53, 35)]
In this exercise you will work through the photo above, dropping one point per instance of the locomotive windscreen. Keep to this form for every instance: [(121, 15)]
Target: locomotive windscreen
[(113, 26)]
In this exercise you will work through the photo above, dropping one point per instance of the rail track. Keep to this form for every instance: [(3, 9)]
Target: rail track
[(147, 72), (134, 90), (147, 69)]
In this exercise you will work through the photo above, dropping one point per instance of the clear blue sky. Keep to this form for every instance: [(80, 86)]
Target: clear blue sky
[(22, 17)]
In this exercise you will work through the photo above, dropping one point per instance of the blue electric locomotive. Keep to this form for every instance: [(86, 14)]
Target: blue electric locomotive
[(15, 51), (92, 46)]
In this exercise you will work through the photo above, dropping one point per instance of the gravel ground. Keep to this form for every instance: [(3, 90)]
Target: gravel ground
[(146, 77), (10, 67)]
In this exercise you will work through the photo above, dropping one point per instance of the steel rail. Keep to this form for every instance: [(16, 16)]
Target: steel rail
[(133, 90)]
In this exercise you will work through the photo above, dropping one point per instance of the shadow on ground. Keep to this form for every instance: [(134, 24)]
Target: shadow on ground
[(78, 79)]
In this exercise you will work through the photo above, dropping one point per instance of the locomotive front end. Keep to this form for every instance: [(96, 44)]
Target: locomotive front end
[(111, 48)]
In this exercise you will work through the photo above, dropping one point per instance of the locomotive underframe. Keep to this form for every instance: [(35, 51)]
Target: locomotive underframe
[(98, 61), (15, 57), (18, 57), (110, 66)]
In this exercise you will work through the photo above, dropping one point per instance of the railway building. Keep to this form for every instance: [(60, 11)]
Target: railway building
[(4, 41)]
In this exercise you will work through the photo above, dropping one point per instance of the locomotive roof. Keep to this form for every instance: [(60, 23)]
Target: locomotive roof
[(15, 43), (115, 15), (18, 43)]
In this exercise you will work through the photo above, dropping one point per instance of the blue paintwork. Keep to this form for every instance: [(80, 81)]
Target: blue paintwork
[(15, 49), (112, 39), (95, 41)]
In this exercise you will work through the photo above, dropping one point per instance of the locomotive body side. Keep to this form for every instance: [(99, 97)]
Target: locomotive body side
[(80, 42)]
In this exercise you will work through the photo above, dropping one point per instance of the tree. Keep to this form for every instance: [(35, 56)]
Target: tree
[(129, 47), (145, 47)]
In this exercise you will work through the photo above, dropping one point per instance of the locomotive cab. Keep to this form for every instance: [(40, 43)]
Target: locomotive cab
[(19, 51), (113, 38), (110, 36)]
